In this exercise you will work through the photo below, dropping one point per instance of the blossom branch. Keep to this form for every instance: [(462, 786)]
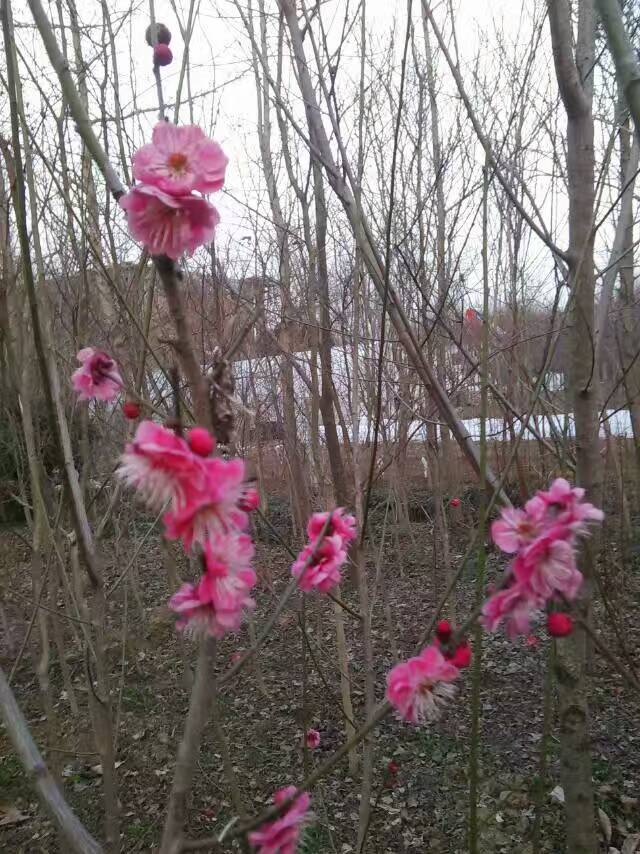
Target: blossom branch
[(156, 67), (380, 712), (288, 593), (286, 545), (166, 267), (188, 750), (171, 277)]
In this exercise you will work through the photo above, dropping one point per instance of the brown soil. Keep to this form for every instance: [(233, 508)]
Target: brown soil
[(425, 810)]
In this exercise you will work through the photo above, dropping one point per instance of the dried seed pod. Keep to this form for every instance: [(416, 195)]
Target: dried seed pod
[(163, 34)]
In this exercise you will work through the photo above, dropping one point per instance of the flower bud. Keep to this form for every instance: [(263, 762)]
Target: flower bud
[(559, 625), (201, 441), (131, 409), (461, 658), (443, 631), (162, 54)]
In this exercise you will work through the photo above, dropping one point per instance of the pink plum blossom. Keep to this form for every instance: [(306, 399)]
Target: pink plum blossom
[(566, 507), (212, 507), (218, 602), (230, 553), (473, 317), (169, 225), (444, 630), (515, 606), (342, 525), (180, 159), (214, 606), (201, 441), (97, 377), (281, 835), (161, 466), (543, 539), (548, 567), (461, 656), (318, 564), (131, 410), (312, 739), (559, 625), (162, 54), (514, 529), (561, 507), (420, 688)]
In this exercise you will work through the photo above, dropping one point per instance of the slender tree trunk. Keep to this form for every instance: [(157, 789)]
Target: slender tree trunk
[(442, 272), (327, 410), (630, 365), (322, 155), (575, 84), (299, 480)]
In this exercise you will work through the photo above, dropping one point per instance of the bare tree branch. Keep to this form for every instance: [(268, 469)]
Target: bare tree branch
[(65, 819)]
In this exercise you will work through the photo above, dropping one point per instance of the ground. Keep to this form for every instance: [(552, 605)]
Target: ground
[(423, 808)]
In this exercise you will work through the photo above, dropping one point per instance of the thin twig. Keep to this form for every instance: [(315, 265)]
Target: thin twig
[(288, 593)]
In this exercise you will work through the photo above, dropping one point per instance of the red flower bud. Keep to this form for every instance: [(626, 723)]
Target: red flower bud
[(250, 500), (131, 409), (393, 768), (461, 658), (455, 502), (201, 441), (559, 625), (443, 631), (162, 54)]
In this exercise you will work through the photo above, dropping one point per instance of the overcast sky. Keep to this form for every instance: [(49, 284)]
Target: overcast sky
[(220, 58), (220, 61)]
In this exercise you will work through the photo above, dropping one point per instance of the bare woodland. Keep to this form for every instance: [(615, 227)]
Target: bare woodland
[(419, 305)]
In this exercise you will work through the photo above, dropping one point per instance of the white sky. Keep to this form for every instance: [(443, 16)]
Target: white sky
[(220, 59)]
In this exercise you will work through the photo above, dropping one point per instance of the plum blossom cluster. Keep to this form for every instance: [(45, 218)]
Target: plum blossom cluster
[(98, 377), (164, 209), (217, 603), (318, 565), (208, 501), (281, 836), (419, 689), (543, 538)]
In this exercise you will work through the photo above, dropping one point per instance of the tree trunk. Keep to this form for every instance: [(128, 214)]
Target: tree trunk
[(629, 344), (300, 493), (327, 410), (575, 84)]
